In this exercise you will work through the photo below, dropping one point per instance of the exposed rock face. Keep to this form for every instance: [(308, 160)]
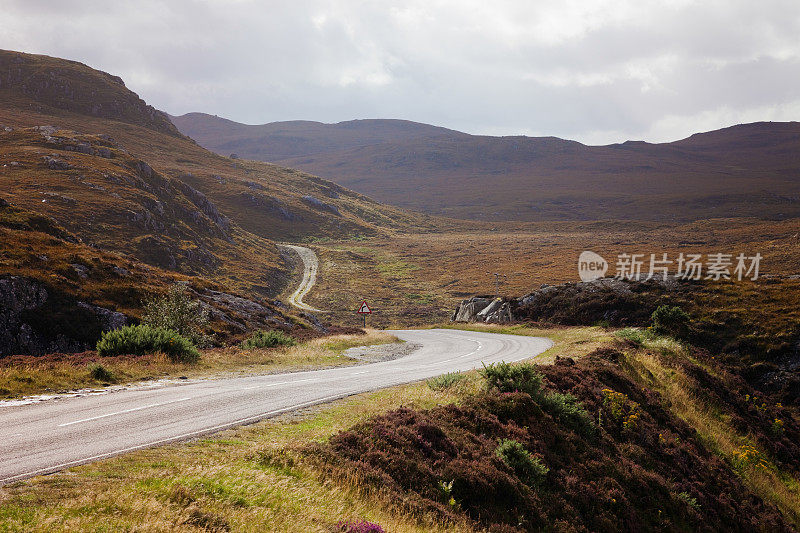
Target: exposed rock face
[(72, 86), (110, 320), (35, 320), (206, 207), (482, 309)]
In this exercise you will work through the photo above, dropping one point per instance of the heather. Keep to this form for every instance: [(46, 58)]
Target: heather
[(510, 460)]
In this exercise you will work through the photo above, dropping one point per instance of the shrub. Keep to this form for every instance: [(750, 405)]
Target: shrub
[(177, 312), (143, 339), (569, 411), (528, 468), (670, 320), (268, 339), (506, 377), (445, 381), (100, 373), (358, 526), (634, 335), (686, 498)]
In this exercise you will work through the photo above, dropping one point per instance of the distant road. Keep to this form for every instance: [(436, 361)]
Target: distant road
[(310, 267), (52, 435)]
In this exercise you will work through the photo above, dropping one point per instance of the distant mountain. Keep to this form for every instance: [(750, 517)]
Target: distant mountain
[(283, 140), (750, 170)]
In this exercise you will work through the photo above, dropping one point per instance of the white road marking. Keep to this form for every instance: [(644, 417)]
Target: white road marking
[(228, 425), (121, 412)]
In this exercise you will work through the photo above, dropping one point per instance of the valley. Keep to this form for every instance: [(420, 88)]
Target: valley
[(178, 301)]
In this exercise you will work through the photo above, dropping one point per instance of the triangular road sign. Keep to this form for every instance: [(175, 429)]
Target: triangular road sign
[(364, 309)]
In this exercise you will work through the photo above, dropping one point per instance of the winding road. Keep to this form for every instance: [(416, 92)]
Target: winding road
[(52, 435), (310, 267)]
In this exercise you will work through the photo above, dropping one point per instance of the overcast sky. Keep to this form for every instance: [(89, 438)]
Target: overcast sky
[(595, 71)]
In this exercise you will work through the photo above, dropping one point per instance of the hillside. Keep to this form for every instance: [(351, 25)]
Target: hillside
[(82, 153), (749, 170)]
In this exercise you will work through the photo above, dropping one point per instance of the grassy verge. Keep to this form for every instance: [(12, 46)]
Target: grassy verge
[(652, 364), (53, 374), (246, 479)]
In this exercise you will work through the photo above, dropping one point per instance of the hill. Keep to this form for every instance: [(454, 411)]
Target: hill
[(749, 170), (283, 140), (82, 153)]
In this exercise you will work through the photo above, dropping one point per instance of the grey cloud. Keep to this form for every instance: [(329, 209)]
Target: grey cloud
[(597, 71)]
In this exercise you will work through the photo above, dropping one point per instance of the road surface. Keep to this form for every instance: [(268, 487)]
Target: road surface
[(310, 267), (55, 434)]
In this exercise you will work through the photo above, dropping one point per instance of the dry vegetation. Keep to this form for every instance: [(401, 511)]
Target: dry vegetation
[(419, 278)]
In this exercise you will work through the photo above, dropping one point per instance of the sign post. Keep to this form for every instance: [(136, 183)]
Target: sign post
[(364, 310)]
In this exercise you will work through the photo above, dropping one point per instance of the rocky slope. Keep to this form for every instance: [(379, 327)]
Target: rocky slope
[(94, 181)]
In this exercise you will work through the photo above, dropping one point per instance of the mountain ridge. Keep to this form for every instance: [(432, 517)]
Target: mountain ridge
[(748, 170)]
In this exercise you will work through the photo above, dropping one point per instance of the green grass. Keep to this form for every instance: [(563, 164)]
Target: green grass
[(445, 381)]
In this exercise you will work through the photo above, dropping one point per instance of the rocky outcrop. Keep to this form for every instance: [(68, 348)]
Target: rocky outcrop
[(483, 309), (206, 207), (271, 205), (241, 314), (611, 301), (75, 87), (36, 320)]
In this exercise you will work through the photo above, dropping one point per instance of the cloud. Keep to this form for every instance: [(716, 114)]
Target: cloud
[(598, 71)]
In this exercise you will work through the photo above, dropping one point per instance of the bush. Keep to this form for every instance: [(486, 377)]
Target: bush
[(670, 320), (445, 381), (569, 411), (506, 377), (268, 339), (143, 339), (528, 468), (100, 373), (177, 312), (634, 335)]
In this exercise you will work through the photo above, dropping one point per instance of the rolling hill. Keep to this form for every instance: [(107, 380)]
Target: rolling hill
[(750, 170)]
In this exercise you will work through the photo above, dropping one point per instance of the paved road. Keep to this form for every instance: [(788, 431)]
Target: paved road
[(310, 267), (52, 435)]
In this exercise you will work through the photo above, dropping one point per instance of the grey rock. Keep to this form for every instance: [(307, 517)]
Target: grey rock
[(46, 130), (110, 320), (314, 321), (81, 270), (56, 164), (468, 310), (319, 204), (206, 206)]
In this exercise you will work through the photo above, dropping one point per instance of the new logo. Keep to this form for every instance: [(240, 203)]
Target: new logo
[(591, 266)]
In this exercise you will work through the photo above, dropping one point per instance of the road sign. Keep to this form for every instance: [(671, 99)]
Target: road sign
[(364, 309)]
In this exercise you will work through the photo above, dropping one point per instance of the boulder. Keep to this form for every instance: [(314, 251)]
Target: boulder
[(468, 310)]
